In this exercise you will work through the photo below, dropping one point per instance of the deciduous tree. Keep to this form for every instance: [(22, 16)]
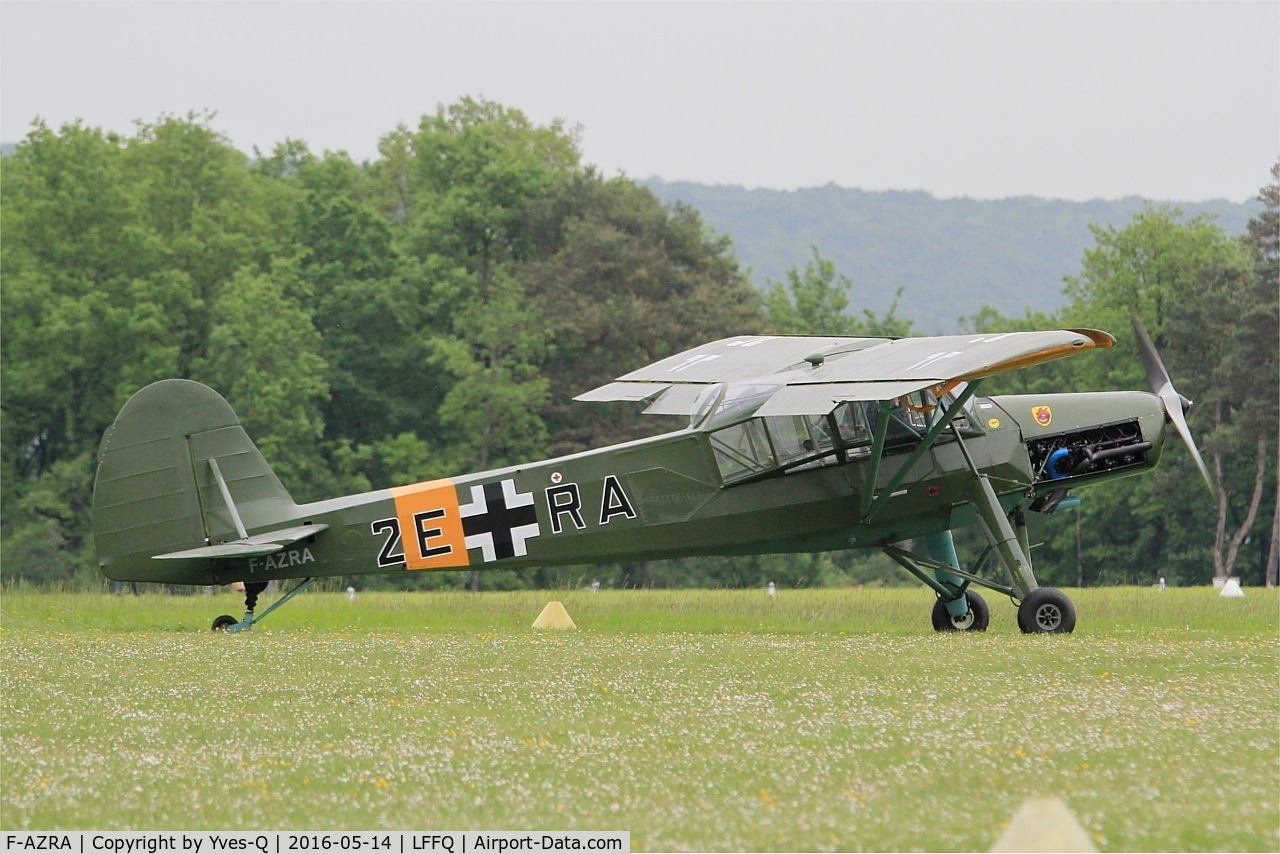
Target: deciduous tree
[(814, 300)]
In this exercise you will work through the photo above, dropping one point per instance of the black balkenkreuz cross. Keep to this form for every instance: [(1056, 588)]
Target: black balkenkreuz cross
[(499, 520)]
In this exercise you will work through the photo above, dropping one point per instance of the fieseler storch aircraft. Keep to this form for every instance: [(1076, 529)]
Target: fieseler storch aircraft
[(794, 444)]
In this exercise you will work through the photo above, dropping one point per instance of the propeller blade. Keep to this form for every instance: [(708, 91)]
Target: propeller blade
[(1174, 412), (1162, 387), (1157, 376)]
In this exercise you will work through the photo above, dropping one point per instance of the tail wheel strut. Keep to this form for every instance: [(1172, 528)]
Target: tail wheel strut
[(252, 589)]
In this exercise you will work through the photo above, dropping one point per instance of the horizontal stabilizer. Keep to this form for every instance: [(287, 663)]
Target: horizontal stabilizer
[(259, 544), (224, 551), (287, 536)]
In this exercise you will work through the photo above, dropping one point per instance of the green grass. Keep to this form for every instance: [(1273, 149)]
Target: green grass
[(1103, 611), (824, 720)]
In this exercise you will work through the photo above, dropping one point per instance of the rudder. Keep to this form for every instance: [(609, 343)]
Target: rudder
[(163, 467)]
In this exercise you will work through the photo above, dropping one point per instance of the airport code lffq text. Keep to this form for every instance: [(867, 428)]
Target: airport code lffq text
[(305, 842)]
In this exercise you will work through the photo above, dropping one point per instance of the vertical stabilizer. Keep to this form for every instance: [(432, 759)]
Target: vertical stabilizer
[(167, 468)]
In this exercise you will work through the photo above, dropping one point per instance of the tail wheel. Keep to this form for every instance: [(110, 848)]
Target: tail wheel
[(977, 620), (1046, 610), (221, 624)]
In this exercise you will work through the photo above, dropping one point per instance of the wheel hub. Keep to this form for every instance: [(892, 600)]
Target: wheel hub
[(1048, 617)]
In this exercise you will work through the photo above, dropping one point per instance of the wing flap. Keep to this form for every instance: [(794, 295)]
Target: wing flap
[(677, 400), (623, 390), (821, 398)]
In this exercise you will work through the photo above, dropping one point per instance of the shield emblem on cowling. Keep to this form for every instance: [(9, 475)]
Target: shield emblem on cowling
[(1042, 414)]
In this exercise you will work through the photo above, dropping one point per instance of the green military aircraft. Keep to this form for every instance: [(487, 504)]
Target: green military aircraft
[(794, 444)]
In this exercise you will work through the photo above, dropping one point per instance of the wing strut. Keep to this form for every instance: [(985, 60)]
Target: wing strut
[(872, 504)]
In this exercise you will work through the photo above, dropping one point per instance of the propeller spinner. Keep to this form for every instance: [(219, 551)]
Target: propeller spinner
[(1175, 405)]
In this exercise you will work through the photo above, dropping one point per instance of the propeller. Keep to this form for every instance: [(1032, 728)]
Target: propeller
[(1175, 405)]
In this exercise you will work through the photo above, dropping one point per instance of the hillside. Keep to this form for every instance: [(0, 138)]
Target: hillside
[(950, 256)]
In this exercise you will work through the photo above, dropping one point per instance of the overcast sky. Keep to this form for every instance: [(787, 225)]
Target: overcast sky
[(1177, 101)]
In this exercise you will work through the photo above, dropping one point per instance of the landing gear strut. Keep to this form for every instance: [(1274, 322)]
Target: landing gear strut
[(958, 607), (1041, 610), (252, 589)]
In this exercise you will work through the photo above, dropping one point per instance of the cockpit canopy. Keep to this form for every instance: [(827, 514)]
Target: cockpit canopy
[(747, 445)]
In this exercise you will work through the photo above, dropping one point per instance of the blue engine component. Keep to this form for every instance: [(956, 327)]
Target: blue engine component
[(1056, 463)]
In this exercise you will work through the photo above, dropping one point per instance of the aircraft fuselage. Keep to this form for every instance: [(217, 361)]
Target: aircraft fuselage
[(670, 496)]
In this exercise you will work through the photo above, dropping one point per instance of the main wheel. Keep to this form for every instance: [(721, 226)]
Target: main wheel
[(221, 624), (1046, 610), (977, 620)]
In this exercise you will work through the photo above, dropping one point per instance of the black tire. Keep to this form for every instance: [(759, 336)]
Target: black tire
[(1046, 610), (977, 620), (221, 624)]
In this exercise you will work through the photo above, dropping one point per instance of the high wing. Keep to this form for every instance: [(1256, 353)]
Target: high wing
[(808, 375)]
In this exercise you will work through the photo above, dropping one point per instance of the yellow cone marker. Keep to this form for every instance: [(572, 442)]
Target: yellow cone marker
[(554, 616), (1044, 824)]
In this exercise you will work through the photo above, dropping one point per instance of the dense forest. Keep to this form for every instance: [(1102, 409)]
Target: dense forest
[(433, 312)]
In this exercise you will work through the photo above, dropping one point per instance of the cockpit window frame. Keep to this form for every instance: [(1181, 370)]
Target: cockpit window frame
[(841, 447)]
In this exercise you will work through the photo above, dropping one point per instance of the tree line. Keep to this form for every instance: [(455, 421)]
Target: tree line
[(433, 311)]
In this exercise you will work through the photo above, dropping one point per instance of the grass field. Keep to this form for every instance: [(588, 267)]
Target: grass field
[(824, 720)]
